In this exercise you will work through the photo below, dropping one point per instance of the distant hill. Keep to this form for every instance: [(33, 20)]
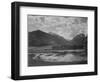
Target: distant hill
[(80, 39), (78, 42), (39, 38)]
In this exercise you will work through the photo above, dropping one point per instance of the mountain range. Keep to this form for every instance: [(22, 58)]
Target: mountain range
[(39, 38)]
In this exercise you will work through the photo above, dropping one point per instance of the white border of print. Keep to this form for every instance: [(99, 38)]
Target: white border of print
[(25, 70)]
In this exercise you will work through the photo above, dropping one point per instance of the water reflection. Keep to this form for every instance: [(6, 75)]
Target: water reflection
[(60, 57)]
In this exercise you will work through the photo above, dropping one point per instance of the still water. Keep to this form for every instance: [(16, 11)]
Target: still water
[(57, 58)]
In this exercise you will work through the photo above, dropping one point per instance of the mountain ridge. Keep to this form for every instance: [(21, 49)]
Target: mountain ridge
[(39, 38)]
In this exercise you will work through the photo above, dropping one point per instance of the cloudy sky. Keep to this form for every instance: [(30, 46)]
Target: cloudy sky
[(68, 27)]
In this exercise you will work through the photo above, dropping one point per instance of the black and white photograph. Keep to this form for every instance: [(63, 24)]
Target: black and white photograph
[(57, 40)]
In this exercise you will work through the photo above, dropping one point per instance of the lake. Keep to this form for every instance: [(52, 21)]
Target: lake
[(57, 58)]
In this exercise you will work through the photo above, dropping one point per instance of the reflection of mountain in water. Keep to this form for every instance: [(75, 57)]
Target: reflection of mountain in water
[(45, 59), (39, 38)]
